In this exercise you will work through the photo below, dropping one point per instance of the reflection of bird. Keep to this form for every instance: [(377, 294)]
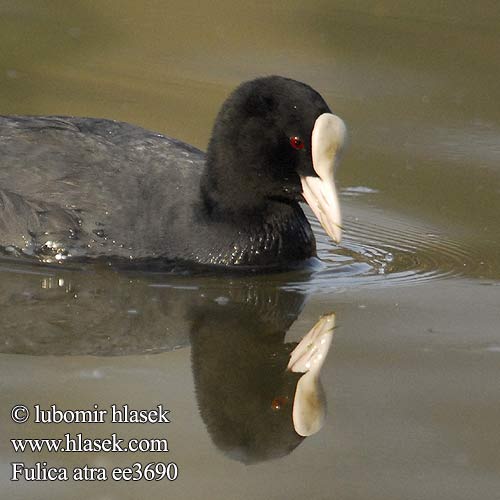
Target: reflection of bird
[(91, 188), (257, 395), (101, 312), (254, 407)]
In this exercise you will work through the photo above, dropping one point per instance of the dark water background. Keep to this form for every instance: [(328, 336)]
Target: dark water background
[(411, 381)]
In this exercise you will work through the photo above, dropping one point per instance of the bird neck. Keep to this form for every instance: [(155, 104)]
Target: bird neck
[(277, 235)]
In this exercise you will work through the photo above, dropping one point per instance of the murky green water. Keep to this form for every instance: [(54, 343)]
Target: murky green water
[(411, 379)]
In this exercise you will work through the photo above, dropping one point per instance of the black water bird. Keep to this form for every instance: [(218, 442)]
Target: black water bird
[(87, 188)]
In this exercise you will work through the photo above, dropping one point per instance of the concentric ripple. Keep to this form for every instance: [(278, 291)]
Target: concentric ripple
[(385, 249)]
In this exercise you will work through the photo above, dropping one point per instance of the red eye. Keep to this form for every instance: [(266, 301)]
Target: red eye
[(296, 142)]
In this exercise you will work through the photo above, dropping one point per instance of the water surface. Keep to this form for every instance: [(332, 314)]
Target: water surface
[(410, 381)]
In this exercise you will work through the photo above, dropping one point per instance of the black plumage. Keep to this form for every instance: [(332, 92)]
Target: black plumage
[(92, 188)]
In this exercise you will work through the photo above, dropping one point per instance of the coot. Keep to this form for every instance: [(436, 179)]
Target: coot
[(87, 188)]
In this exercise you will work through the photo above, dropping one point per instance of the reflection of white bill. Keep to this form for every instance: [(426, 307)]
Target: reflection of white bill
[(308, 358)]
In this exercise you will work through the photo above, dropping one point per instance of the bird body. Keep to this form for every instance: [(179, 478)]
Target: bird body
[(87, 188)]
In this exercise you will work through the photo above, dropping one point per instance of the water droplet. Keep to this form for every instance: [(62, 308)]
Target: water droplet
[(99, 232), (222, 301)]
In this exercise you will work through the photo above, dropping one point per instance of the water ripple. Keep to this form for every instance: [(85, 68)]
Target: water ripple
[(379, 249), (385, 249)]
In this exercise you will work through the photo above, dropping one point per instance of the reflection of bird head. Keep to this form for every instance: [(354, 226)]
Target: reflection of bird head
[(245, 391)]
